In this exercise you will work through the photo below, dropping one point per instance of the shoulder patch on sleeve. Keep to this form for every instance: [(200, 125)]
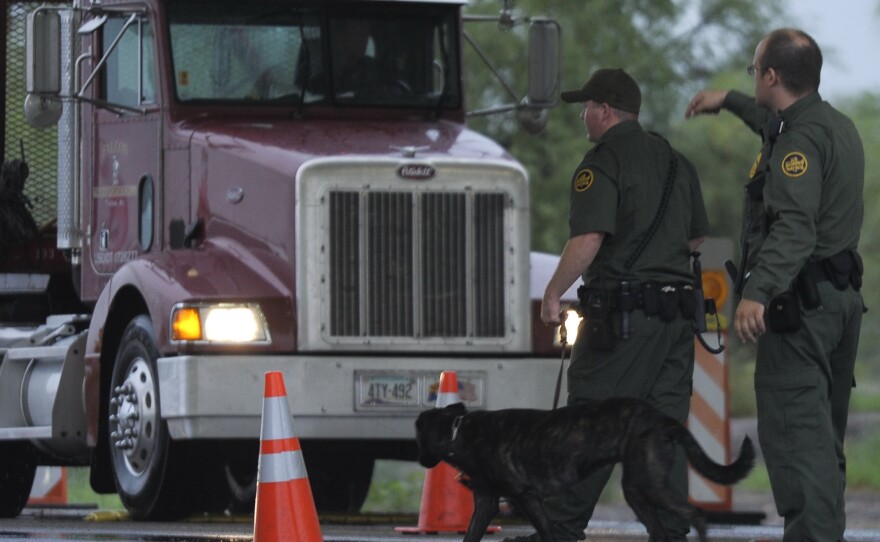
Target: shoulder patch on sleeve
[(794, 164), (583, 180), (755, 165)]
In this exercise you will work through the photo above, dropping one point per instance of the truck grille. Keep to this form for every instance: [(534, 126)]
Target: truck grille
[(423, 264), (386, 263)]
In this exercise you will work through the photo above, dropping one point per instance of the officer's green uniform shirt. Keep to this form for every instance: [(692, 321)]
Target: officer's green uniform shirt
[(812, 206), (617, 189)]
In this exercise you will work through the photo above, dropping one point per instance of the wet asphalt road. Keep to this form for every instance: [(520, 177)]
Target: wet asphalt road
[(85, 526)]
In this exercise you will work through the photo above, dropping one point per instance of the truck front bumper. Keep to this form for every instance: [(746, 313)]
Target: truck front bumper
[(221, 397)]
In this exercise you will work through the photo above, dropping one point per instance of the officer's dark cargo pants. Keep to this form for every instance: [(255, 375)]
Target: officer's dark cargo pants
[(656, 363), (803, 382)]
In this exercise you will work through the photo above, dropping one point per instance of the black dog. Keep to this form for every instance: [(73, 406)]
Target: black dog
[(527, 455)]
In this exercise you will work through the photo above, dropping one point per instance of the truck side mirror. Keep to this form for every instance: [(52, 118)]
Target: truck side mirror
[(43, 40), (543, 62), (532, 115), (42, 108)]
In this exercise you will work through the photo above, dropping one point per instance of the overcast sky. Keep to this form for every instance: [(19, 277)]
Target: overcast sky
[(848, 32)]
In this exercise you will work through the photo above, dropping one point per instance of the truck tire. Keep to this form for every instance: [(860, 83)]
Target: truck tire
[(17, 469), (146, 469)]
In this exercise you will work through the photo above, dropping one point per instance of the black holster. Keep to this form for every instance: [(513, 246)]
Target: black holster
[(687, 300), (784, 312), (669, 303), (843, 270), (806, 286), (651, 298), (858, 269), (838, 268), (597, 307)]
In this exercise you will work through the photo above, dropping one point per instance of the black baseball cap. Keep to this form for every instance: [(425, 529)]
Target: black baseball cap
[(608, 85)]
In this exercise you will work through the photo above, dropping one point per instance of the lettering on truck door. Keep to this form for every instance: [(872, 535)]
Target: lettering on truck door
[(126, 150)]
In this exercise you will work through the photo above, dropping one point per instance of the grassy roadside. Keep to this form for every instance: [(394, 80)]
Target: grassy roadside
[(80, 492), (861, 467), (741, 393)]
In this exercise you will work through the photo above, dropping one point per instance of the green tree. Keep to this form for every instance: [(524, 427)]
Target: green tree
[(865, 111), (671, 48), (723, 150)]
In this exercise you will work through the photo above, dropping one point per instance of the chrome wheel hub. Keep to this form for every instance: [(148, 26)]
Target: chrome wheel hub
[(134, 417)]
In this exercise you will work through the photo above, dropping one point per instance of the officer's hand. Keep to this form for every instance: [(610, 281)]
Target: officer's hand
[(749, 320), (705, 101), (550, 310)]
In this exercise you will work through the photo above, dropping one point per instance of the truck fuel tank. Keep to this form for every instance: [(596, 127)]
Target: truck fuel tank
[(41, 388)]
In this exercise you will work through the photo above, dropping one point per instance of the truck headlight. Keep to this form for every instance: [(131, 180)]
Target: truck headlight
[(221, 323), (569, 328)]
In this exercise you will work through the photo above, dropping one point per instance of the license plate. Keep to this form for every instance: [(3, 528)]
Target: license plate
[(388, 390), (411, 390)]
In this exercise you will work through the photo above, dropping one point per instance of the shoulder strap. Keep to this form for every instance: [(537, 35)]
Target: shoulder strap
[(671, 173)]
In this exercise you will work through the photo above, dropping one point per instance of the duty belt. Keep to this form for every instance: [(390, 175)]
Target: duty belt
[(667, 300)]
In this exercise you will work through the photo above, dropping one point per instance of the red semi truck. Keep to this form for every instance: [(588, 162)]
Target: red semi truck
[(275, 185)]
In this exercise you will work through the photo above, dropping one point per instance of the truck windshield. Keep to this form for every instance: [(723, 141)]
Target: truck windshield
[(393, 55)]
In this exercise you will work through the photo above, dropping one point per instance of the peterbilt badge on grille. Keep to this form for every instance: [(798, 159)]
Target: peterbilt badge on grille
[(416, 172)]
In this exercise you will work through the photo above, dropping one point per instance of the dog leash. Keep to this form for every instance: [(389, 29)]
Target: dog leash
[(456, 423), (563, 338)]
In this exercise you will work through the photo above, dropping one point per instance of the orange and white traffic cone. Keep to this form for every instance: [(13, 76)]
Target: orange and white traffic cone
[(446, 505), (447, 394), (50, 487), (285, 509)]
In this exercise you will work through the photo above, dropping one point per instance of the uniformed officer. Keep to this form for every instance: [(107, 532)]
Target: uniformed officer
[(799, 286), (636, 215)]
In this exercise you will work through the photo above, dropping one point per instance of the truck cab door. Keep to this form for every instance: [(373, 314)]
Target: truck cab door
[(127, 145)]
